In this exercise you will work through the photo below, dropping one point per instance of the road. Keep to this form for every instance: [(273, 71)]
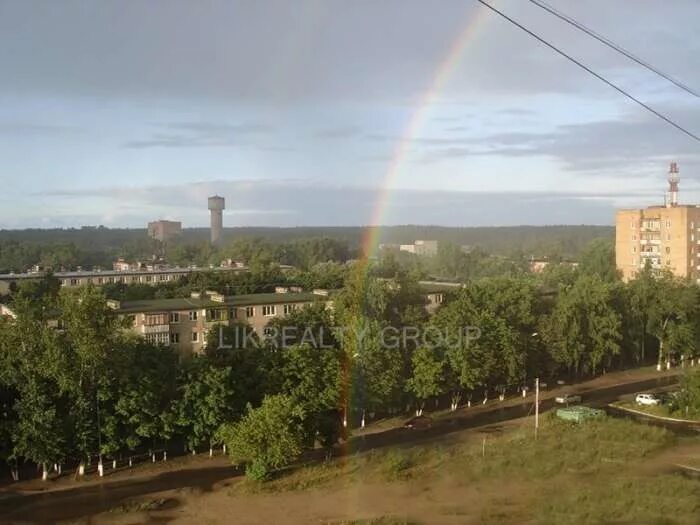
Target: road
[(99, 495)]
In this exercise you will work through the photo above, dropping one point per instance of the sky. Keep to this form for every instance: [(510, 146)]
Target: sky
[(330, 112)]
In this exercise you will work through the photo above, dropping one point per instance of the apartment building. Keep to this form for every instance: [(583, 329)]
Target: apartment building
[(164, 230), (152, 275), (421, 247), (662, 237), (184, 323)]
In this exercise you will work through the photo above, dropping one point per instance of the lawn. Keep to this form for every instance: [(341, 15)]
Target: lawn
[(601, 471)]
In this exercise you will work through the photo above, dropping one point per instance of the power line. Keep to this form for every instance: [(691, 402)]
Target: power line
[(591, 72), (606, 41)]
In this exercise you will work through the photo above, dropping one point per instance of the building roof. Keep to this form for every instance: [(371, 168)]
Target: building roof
[(187, 303), (439, 286)]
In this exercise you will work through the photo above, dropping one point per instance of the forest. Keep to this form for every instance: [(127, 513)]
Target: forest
[(75, 386), (89, 247)]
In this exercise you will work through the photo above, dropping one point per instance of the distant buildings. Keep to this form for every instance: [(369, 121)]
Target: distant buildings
[(131, 274), (660, 237), (539, 265), (164, 230), (421, 247)]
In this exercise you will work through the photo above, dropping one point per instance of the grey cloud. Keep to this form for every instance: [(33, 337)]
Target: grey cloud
[(338, 132), (201, 134), (281, 51), (629, 146), (301, 202), (26, 129)]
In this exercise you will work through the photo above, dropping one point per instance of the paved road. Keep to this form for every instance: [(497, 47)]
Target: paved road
[(93, 498)]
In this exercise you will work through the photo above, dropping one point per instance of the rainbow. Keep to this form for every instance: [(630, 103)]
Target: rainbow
[(444, 71)]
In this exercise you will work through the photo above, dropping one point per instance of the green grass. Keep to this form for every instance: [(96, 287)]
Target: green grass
[(665, 499), (663, 410), (562, 447), (592, 472)]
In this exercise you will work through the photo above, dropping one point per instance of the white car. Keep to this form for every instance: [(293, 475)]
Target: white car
[(568, 399), (647, 399)]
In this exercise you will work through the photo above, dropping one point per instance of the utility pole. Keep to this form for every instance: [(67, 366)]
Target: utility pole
[(537, 405)]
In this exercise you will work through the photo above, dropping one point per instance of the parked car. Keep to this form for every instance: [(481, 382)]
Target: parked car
[(567, 399), (647, 399), (419, 422)]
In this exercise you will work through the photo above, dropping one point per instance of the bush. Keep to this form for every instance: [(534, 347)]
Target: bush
[(266, 438)]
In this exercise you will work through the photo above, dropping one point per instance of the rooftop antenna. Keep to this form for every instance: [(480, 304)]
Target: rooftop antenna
[(673, 179)]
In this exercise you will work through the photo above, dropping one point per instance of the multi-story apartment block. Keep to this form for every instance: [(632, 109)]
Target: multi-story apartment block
[(661, 237), (164, 230), (184, 323), (152, 275)]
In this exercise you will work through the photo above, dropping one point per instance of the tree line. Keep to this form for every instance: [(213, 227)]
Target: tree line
[(74, 384)]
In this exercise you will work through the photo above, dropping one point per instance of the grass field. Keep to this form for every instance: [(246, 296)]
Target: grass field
[(607, 471)]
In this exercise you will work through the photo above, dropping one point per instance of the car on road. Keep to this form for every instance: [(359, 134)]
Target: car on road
[(647, 399), (567, 399)]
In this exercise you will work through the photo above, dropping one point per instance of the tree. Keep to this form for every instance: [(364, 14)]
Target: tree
[(687, 401), (205, 401), (598, 258), (673, 318), (266, 438), (137, 403), (584, 330), (427, 378)]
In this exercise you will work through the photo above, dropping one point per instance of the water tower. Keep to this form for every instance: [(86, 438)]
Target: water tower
[(216, 207)]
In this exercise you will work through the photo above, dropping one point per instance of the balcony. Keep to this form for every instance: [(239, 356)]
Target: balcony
[(155, 328)]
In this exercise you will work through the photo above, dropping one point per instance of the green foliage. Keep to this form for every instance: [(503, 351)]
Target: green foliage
[(687, 402), (427, 374), (266, 438), (205, 400), (584, 330)]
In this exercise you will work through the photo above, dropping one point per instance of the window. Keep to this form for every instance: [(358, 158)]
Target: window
[(174, 338), (162, 338), (634, 249), (269, 310), (99, 280), (73, 282), (195, 337), (289, 308), (668, 236), (174, 317), (193, 315), (634, 237), (149, 278), (668, 224), (668, 250), (249, 311), (268, 331), (232, 313)]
